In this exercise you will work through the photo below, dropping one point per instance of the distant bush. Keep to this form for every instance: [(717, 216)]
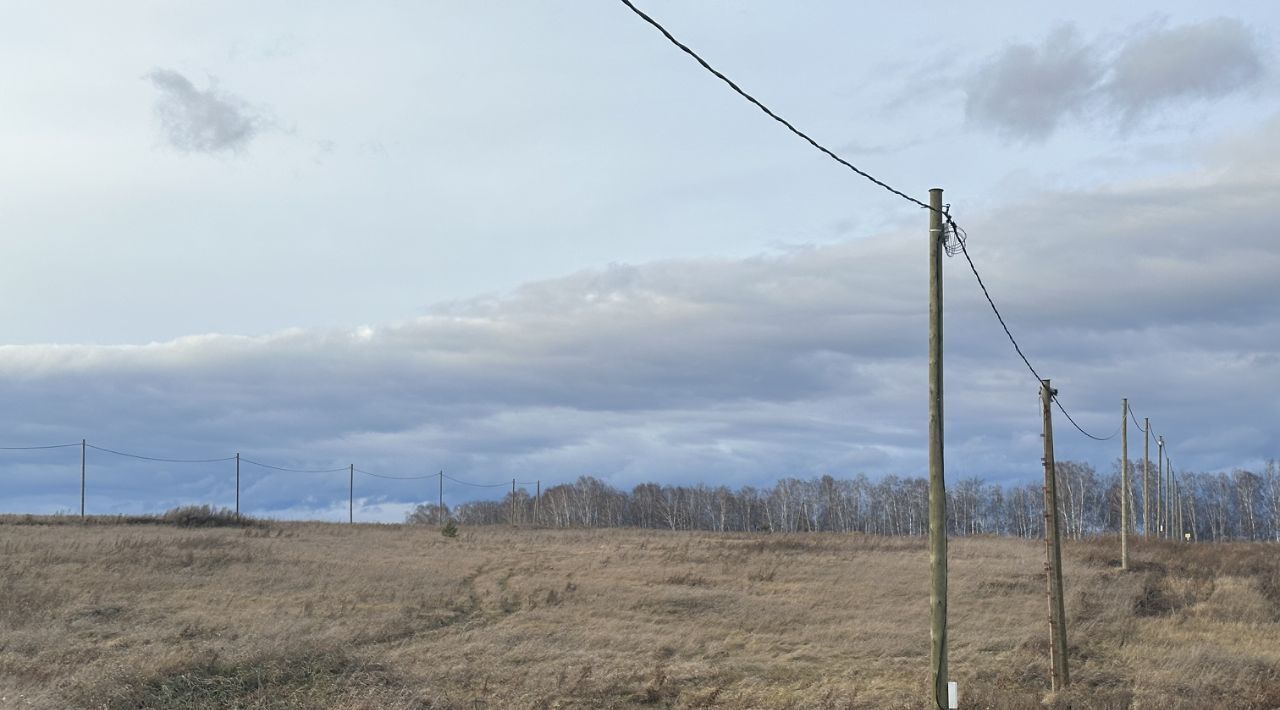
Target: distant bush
[(205, 516), (450, 528)]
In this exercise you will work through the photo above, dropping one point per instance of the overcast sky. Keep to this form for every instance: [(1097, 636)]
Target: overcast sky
[(535, 240)]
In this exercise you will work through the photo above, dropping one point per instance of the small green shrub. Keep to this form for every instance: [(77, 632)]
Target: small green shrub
[(450, 528)]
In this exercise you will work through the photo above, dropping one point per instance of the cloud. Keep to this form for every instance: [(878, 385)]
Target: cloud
[(734, 371), (1027, 91), (1204, 61), (196, 121)]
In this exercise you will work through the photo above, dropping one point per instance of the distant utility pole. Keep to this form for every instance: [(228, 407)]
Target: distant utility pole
[(537, 504), (440, 507), (513, 502), (937, 482), (351, 493), (1182, 535), (1161, 493), (1053, 550), (1124, 484), (1146, 481), (82, 448), (237, 485)]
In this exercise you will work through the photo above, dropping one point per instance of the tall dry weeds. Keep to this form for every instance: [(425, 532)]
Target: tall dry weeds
[(314, 615)]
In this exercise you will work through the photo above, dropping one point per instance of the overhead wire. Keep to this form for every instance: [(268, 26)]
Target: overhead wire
[(475, 485), (769, 112), (293, 470), (958, 246), (156, 458), (396, 478), (1134, 417), (38, 448)]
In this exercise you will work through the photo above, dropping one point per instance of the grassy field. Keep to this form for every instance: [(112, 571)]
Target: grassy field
[(304, 615)]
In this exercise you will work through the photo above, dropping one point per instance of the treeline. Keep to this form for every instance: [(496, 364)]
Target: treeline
[(1242, 505)]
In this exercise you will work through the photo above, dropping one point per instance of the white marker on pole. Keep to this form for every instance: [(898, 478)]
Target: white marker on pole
[(953, 695)]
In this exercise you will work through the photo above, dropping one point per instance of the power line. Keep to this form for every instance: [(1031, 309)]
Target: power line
[(37, 448), (476, 485), (769, 112), (1135, 421), (154, 458), (292, 470), (396, 478), (1080, 428), (958, 246)]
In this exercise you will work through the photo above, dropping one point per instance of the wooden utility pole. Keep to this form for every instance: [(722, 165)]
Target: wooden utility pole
[(1182, 531), (537, 504), (237, 485), (82, 448), (351, 493), (513, 502), (1124, 484), (1169, 501), (937, 483), (1053, 550), (1161, 494), (440, 506), (1146, 480)]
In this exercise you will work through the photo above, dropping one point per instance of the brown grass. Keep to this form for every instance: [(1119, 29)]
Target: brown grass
[(335, 616)]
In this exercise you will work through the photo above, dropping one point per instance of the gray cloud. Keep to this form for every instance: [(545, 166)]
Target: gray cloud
[(735, 371), (1026, 91), (202, 121), (1203, 61)]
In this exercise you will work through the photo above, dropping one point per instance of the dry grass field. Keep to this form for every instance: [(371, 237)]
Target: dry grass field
[(293, 615)]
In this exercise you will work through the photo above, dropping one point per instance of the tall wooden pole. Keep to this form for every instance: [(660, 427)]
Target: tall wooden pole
[(440, 507), (1124, 485), (1053, 550), (1146, 480), (351, 493), (1177, 487), (513, 502), (237, 485), (937, 482), (1160, 491), (537, 504), (82, 448)]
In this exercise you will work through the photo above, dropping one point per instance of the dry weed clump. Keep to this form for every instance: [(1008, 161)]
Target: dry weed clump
[(293, 615), (280, 680)]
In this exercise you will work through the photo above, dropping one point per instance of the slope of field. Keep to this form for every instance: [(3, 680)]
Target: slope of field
[(316, 616)]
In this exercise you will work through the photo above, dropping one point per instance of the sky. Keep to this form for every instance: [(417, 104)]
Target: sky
[(536, 241)]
